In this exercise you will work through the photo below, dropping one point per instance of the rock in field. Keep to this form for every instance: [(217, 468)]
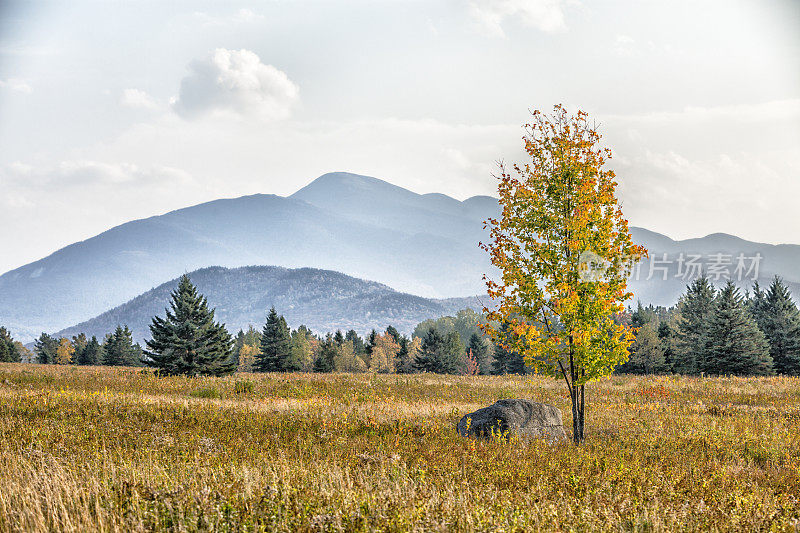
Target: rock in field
[(526, 418)]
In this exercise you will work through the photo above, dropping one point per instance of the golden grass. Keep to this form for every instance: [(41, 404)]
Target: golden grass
[(120, 450)]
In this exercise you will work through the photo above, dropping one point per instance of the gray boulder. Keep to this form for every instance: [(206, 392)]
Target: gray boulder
[(526, 418)]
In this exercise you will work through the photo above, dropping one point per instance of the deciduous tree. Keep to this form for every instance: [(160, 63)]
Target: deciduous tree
[(564, 252)]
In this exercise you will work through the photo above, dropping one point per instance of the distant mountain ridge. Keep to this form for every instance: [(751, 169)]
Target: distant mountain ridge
[(323, 300), (422, 244)]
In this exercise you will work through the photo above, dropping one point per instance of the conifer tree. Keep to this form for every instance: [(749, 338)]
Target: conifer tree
[(403, 362), (666, 337), (276, 346), (188, 341), (120, 350), (779, 318), (358, 342), (480, 351), (9, 353), (45, 349), (439, 354), (733, 342), (696, 309), (325, 361), (506, 360), (91, 354)]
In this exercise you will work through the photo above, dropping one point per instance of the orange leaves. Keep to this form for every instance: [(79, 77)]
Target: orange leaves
[(558, 205)]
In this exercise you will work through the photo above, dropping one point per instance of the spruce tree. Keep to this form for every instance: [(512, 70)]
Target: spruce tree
[(325, 361), (358, 342), (9, 353), (188, 341), (506, 361), (427, 359), (480, 351), (403, 363), (276, 346), (119, 349), (733, 342), (45, 349), (779, 318), (696, 308), (666, 336), (439, 354), (91, 354)]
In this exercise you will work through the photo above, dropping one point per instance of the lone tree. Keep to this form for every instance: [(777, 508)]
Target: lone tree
[(564, 252), (188, 341)]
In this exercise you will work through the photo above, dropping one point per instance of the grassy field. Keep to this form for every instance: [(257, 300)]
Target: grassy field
[(121, 450)]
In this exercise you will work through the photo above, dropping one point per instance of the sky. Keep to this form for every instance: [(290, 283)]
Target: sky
[(113, 111)]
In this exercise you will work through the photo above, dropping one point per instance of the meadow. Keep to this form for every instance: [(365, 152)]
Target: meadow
[(110, 449)]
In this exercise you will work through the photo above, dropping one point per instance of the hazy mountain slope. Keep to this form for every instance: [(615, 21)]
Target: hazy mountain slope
[(321, 299), (87, 278), (420, 244)]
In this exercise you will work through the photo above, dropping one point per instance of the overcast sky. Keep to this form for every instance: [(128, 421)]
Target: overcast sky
[(112, 111)]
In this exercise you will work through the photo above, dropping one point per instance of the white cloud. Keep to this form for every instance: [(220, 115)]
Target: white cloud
[(15, 84), (624, 45), (137, 99), (236, 82), (544, 15), (71, 173), (775, 110)]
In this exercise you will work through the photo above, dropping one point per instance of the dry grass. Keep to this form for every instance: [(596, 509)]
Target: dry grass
[(120, 450)]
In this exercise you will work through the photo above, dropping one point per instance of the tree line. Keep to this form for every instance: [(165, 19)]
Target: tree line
[(709, 331), (718, 332)]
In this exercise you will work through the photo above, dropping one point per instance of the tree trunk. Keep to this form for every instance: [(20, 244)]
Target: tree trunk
[(581, 416), (577, 433)]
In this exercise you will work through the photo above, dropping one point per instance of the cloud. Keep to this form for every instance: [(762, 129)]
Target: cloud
[(137, 99), (236, 82), (624, 46), (15, 84), (72, 173), (489, 15), (771, 111)]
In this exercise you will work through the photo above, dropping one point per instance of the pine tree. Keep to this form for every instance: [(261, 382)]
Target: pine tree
[(91, 354), (358, 342), (119, 349), (439, 354), (45, 349), (188, 341), (506, 361), (9, 353), (325, 361), (276, 346), (733, 342), (480, 351), (403, 362), (666, 337), (779, 318), (696, 308)]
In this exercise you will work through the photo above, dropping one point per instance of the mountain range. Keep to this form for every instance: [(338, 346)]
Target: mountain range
[(323, 300), (420, 244)]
